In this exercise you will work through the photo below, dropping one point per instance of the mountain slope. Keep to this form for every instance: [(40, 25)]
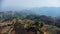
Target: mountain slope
[(50, 11)]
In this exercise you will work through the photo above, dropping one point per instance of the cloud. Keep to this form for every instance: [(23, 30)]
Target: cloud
[(31, 3)]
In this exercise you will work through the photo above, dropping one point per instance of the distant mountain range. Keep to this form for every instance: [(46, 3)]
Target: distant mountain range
[(49, 11)]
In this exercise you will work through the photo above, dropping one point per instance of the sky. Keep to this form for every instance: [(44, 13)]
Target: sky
[(29, 3)]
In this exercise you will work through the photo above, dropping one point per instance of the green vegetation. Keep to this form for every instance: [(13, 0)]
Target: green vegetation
[(36, 26)]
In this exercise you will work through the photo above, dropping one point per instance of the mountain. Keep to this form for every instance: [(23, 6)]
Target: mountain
[(23, 13), (49, 11)]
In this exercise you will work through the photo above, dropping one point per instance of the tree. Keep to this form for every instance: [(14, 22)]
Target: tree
[(36, 27)]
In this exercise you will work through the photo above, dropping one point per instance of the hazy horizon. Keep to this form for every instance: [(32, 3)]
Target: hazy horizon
[(26, 4), (48, 7)]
